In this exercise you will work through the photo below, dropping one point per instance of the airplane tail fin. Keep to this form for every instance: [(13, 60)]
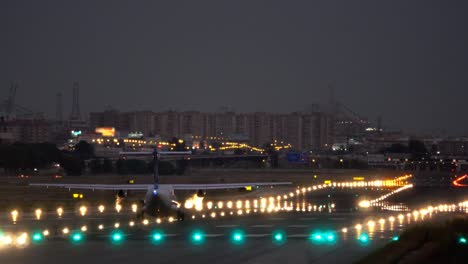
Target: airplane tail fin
[(155, 171)]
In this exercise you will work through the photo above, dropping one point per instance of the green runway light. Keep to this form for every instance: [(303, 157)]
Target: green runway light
[(279, 237), (117, 237), (331, 237), (198, 237), (462, 240), (157, 237), (237, 237), (395, 238), (323, 237), (37, 237), (316, 237), (364, 238), (76, 237)]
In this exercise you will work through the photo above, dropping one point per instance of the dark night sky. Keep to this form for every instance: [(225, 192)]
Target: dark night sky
[(405, 60)]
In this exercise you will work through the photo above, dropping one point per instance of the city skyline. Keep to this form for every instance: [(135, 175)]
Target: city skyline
[(402, 61)]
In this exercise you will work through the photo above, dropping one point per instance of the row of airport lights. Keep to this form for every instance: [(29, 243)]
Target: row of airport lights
[(416, 215), (117, 236), (271, 208), (263, 204), (368, 203), (196, 202)]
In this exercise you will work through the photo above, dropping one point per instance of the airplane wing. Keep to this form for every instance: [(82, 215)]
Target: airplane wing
[(218, 186), (114, 187)]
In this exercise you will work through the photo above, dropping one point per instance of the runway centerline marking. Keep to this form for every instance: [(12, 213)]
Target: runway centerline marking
[(308, 219), (261, 226), (299, 235), (257, 235), (226, 226), (337, 219), (214, 235)]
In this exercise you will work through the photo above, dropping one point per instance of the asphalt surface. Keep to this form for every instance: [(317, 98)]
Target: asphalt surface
[(177, 246), (332, 210)]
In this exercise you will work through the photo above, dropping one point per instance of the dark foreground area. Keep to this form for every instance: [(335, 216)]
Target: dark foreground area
[(427, 243)]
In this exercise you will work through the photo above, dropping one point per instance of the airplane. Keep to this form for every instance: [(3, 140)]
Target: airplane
[(160, 199)]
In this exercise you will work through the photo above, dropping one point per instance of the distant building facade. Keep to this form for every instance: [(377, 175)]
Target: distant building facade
[(25, 131), (305, 131)]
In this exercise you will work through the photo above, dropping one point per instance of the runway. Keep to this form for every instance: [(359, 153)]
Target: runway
[(177, 245), (321, 226)]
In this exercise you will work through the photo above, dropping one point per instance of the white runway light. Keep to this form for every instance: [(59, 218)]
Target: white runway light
[(38, 213), (14, 215), (60, 212), (83, 210)]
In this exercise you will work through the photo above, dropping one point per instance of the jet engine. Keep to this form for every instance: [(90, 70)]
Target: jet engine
[(201, 193), (122, 194)]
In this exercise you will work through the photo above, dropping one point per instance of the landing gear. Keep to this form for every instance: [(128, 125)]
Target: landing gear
[(180, 215), (140, 215)]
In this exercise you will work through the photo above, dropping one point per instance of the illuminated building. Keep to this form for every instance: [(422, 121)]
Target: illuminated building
[(303, 130)]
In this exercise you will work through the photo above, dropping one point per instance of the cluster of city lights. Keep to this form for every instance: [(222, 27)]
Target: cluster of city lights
[(235, 145)]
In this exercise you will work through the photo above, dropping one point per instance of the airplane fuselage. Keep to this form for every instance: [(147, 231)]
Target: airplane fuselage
[(162, 203)]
